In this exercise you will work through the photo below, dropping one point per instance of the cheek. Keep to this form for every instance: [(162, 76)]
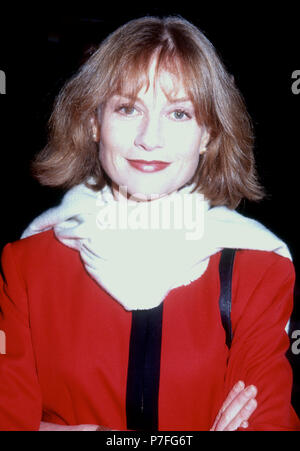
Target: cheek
[(185, 145), (113, 146), (119, 136), (115, 136)]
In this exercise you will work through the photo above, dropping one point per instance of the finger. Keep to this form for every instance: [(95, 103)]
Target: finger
[(103, 428), (235, 406), (237, 388), (243, 415), (233, 394), (244, 424)]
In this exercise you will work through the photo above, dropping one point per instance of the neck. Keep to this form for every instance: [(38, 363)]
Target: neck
[(120, 193)]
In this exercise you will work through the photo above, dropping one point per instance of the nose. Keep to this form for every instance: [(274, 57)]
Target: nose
[(150, 136)]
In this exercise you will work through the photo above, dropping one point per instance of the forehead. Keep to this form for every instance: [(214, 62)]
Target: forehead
[(165, 80), (165, 86), (153, 78)]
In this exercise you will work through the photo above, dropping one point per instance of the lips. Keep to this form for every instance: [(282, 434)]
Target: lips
[(148, 166)]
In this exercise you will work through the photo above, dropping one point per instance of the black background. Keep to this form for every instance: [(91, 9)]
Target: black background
[(41, 46)]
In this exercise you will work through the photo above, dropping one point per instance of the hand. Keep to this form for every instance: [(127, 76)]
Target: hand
[(78, 427), (237, 408)]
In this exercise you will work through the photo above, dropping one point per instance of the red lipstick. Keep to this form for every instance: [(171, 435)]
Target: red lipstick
[(148, 166)]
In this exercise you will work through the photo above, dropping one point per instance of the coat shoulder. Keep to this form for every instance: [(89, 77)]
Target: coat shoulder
[(41, 242), (258, 263), (38, 251)]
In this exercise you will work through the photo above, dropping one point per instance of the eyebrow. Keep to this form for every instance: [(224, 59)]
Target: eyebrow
[(180, 99), (170, 101)]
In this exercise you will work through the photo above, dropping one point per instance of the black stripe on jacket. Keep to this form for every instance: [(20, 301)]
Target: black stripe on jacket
[(144, 369)]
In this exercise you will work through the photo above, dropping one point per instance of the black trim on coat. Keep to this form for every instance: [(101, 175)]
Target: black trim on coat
[(144, 369)]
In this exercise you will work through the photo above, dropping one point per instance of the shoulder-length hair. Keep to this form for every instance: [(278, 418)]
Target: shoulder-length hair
[(226, 171)]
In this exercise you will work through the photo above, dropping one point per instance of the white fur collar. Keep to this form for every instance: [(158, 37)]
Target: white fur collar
[(135, 254)]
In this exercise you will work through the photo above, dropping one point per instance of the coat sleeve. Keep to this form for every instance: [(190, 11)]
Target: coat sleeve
[(20, 394), (262, 302)]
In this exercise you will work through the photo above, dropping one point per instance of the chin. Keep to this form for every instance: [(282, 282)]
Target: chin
[(142, 191)]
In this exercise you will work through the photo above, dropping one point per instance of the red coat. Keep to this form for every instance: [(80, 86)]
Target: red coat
[(67, 343)]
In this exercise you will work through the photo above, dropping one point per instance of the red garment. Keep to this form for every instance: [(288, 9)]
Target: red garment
[(67, 343)]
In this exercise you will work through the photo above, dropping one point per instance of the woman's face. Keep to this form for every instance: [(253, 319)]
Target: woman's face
[(151, 146)]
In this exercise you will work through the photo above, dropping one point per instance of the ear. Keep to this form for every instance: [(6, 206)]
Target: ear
[(95, 129), (204, 141)]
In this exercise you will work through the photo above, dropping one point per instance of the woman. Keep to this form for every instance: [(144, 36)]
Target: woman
[(110, 300)]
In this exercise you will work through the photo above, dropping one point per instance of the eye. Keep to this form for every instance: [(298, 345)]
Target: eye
[(127, 110), (180, 115)]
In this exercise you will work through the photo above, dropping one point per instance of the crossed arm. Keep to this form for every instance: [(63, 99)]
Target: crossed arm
[(234, 413)]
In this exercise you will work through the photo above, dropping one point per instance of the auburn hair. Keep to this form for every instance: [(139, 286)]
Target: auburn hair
[(226, 172)]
